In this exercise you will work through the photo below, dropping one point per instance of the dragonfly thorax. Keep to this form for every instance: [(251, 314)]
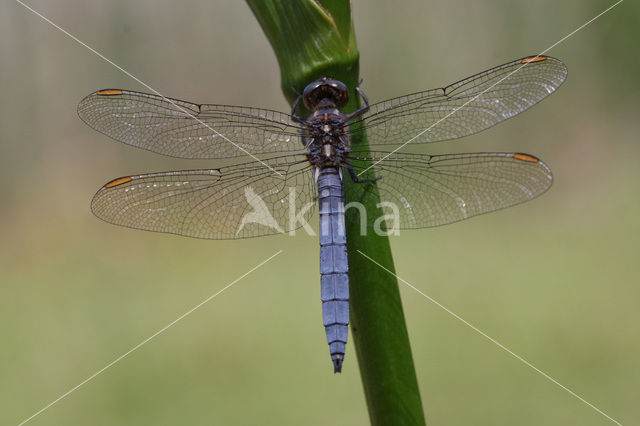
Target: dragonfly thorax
[(327, 138)]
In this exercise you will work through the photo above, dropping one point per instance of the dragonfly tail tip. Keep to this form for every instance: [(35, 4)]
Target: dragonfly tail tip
[(337, 363)]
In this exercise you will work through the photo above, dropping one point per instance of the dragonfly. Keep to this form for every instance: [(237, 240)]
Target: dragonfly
[(296, 162)]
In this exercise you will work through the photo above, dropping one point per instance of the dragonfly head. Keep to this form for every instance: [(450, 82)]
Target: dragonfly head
[(325, 92)]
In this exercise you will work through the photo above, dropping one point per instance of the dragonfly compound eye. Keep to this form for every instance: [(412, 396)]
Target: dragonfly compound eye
[(325, 88)]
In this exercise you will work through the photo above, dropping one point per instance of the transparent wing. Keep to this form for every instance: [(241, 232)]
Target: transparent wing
[(466, 107), (239, 201), (183, 129), (433, 190)]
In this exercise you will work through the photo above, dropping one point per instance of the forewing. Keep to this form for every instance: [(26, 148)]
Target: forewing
[(183, 129), (463, 108), (435, 190), (240, 201)]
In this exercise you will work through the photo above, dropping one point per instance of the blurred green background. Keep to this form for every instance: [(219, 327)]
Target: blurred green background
[(555, 280)]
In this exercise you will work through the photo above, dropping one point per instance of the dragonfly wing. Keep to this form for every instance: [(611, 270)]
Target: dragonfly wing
[(239, 201), (183, 129), (433, 190), (463, 108)]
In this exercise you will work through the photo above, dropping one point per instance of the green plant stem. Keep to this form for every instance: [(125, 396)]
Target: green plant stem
[(312, 39)]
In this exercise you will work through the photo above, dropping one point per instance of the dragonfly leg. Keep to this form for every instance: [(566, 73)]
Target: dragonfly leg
[(356, 179), (362, 110), (295, 117)]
